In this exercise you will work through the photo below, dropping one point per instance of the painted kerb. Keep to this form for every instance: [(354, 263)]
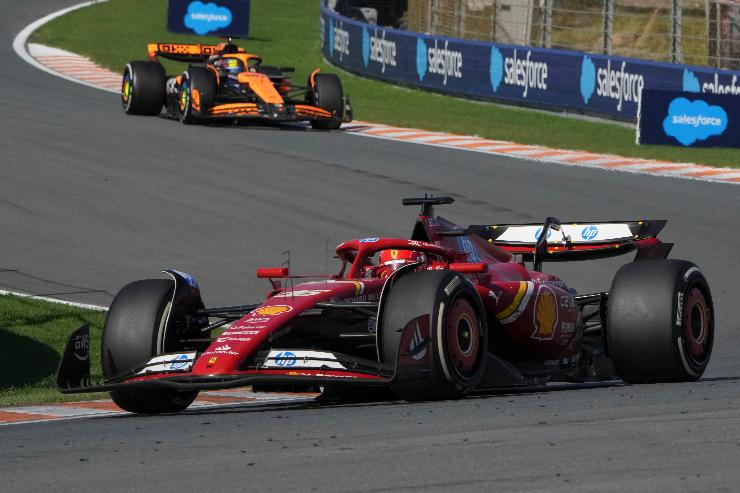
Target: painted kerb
[(606, 85)]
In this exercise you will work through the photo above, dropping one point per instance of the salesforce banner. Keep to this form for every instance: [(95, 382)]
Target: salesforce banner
[(215, 18), (534, 76), (689, 119)]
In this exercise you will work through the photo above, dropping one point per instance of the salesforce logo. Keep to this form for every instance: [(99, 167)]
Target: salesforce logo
[(589, 232), (689, 121), (518, 72), (588, 79), (378, 49), (618, 85), (497, 68), (338, 39), (439, 61), (690, 82), (204, 18)]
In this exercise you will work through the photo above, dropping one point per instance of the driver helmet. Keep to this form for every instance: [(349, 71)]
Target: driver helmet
[(232, 66), (391, 260)]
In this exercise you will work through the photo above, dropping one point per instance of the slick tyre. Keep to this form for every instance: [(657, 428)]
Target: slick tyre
[(660, 322), (133, 334), (447, 360), (143, 88), (328, 95), (197, 94)]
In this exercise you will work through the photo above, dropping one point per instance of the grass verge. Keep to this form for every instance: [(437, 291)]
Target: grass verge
[(286, 32), (32, 337)]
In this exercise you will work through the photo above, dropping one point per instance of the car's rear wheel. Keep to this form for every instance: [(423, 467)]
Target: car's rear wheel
[(133, 334), (660, 322), (143, 88), (456, 339), (197, 94), (328, 95)]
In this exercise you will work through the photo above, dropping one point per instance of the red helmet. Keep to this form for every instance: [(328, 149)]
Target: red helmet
[(391, 260)]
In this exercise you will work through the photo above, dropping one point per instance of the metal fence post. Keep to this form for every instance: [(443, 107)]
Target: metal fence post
[(608, 25), (677, 20), (494, 18), (546, 37)]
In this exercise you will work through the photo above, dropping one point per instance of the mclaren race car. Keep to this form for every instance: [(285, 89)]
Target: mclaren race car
[(450, 310), (224, 82)]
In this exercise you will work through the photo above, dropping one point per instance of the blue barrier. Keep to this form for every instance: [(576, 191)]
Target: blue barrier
[(212, 17), (556, 79), (689, 119)]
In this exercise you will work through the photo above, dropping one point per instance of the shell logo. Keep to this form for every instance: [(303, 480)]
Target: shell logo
[(545, 314), (272, 310)]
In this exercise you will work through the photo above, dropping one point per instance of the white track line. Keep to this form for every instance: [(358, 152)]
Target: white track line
[(21, 41)]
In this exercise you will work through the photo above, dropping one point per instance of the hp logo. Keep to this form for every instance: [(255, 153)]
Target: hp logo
[(285, 358), (589, 232)]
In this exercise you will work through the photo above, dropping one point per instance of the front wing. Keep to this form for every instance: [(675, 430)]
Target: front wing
[(170, 371)]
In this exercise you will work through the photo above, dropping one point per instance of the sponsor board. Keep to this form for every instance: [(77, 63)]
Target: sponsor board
[(209, 17), (608, 85), (689, 119)]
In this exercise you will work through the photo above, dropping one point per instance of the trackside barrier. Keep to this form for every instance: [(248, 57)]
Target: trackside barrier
[(555, 79)]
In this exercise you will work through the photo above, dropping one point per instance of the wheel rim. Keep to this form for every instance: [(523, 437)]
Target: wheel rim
[(184, 96), (696, 324), (463, 337), (126, 88)]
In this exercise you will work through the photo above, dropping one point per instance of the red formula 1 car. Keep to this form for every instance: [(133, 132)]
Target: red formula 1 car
[(435, 316), (224, 82)]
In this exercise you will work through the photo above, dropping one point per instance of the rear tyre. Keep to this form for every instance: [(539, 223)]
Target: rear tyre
[(660, 322), (143, 88), (197, 94), (133, 334), (328, 95), (458, 336)]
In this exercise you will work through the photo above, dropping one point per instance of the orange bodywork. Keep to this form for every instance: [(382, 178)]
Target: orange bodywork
[(262, 86)]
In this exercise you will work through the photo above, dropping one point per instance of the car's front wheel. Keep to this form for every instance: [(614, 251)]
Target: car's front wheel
[(133, 334)]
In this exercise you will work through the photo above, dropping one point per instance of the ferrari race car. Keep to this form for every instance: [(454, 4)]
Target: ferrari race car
[(224, 82), (436, 316)]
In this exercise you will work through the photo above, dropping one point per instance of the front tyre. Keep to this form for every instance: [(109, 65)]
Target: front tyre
[(457, 335), (328, 95), (133, 334), (143, 88), (660, 322), (197, 94)]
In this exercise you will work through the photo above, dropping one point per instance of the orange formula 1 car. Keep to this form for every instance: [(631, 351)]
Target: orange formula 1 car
[(224, 82)]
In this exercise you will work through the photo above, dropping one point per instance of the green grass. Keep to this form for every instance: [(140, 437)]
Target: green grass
[(32, 337), (285, 32)]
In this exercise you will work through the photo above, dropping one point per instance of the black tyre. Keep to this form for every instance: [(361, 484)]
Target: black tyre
[(660, 322), (458, 335), (133, 334), (143, 88), (197, 93), (327, 94)]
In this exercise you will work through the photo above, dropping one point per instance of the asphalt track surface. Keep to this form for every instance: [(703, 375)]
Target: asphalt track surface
[(91, 199)]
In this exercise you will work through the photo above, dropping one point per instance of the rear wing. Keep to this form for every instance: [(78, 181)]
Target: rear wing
[(566, 241), (183, 52)]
